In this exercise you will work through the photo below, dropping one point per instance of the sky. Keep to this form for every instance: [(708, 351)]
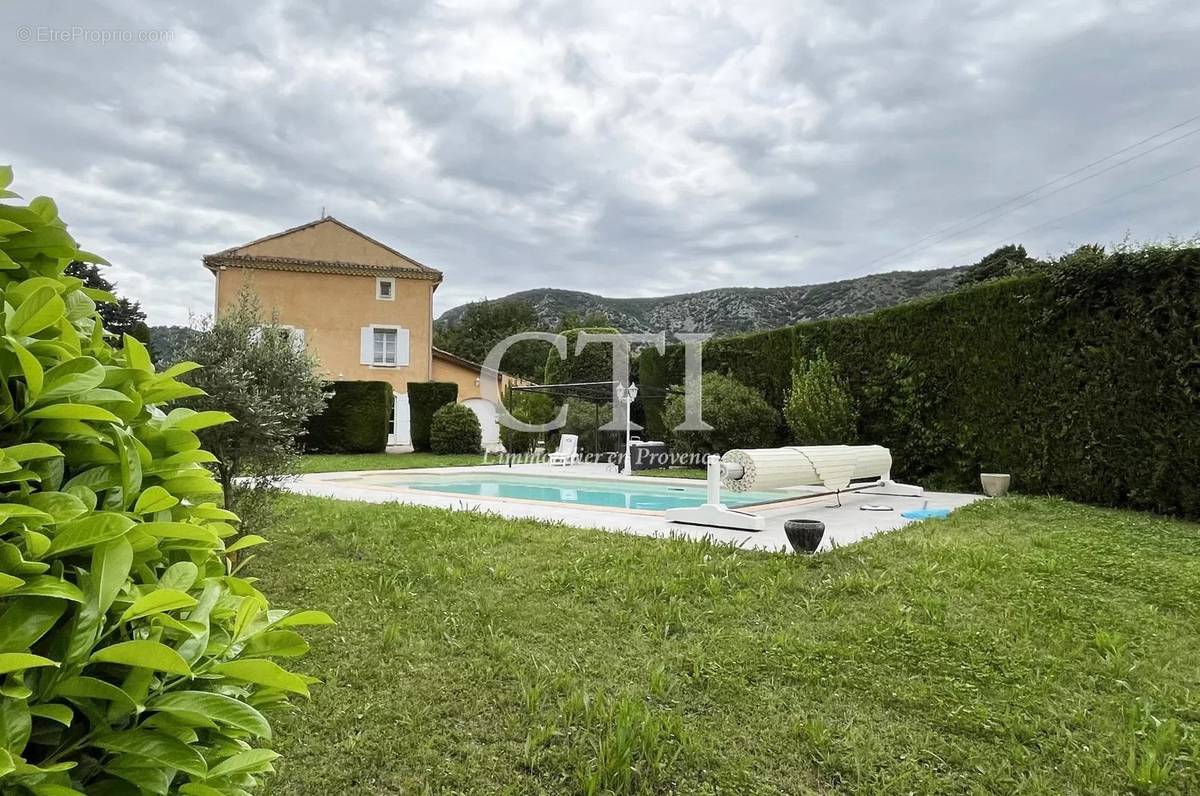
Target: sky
[(623, 148)]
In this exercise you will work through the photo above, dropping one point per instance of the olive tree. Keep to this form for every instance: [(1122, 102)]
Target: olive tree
[(264, 375)]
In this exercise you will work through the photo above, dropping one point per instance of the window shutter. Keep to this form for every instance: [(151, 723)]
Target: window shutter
[(402, 346), (366, 346)]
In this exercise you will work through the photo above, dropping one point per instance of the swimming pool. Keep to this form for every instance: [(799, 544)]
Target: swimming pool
[(579, 491)]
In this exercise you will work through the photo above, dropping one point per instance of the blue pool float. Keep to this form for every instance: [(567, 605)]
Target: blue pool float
[(925, 514)]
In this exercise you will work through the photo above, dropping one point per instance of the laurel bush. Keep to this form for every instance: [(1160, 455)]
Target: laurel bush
[(133, 659)]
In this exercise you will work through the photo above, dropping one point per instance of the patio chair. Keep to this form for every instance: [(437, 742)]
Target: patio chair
[(568, 451)]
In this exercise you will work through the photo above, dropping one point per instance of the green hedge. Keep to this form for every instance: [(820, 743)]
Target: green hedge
[(425, 398), (355, 419), (1082, 380), (455, 429), (593, 363)]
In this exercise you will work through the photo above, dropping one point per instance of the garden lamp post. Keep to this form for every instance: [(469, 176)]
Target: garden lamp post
[(627, 395)]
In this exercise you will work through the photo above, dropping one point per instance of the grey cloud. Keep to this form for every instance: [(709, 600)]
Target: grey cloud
[(619, 148)]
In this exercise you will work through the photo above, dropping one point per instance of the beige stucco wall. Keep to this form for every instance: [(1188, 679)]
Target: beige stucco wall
[(333, 308), (464, 377), (327, 240)]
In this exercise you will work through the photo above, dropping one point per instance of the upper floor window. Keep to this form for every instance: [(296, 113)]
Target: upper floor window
[(384, 346), (385, 288)]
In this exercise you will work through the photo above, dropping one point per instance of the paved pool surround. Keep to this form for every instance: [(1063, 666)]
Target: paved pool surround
[(844, 524)]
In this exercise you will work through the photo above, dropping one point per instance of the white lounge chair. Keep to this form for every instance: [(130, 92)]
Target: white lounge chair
[(568, 450)]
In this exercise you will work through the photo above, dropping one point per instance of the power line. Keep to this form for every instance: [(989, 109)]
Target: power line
[(1028, 202), (1015, 235), (1055, 181)]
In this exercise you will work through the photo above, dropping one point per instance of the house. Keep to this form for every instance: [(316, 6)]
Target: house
[(363, 308)]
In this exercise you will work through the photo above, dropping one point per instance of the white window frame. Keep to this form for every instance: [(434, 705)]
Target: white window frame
[(379, 283), (403, 351)]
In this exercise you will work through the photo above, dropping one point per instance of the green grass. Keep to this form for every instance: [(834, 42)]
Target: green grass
[(1022, 646), (675, 472), (338, 462)]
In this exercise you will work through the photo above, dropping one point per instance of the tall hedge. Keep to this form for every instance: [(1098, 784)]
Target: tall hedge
[(355, 420), (425, 398), (593, 363), (1082, 381)]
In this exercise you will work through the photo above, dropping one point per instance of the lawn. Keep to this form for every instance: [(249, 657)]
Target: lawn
[(1024, 645), (338, 462), (675, 472)]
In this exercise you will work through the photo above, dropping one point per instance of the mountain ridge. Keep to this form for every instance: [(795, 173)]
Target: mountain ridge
[(731, 310)]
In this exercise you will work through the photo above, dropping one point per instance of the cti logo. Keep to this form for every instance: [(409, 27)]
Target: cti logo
[(622, 347)]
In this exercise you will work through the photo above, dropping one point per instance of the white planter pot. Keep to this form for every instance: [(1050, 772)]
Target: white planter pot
[(995, 484)]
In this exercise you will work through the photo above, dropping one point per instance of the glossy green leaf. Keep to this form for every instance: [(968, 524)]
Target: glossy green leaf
[(154, 499), (47, 586), (305, 618), (92, 688), (61, 506), (88, 532), (73, 412), (276, 644), (181, 575), (143, 654), (31, 450), (249, 540), (157, 602), (221, 708), (195, 421), (18, 661), (264, 673), (136, 355), (71, 378), (24, 620), (111, 562), (31, 369), (10, 582), (41, 309), (250, 761), (58, 713), (178, 530), (156, 746)]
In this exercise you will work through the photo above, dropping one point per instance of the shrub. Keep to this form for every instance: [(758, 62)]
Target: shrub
[(818, 409), (582, 420), (531, 408), (134, 659), (455, 429), (355, 418), (740, 418), (257, 370), (425, 398)]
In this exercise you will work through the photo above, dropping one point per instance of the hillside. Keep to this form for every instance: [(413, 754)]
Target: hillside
[(736, 309)]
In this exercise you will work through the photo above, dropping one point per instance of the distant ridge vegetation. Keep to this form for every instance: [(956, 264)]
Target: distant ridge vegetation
[(735, 309)]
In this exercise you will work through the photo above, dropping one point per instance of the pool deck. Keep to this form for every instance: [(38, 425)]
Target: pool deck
[(844, 524)]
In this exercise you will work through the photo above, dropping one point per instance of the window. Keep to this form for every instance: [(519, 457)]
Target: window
[(384, 347), (385, 289)]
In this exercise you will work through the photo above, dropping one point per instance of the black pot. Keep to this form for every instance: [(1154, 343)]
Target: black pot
[(804, 535)]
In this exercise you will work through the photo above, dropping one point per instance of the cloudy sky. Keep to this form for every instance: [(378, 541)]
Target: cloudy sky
[(625, 148)]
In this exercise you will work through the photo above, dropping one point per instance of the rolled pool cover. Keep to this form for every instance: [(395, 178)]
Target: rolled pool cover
[(831, 466)]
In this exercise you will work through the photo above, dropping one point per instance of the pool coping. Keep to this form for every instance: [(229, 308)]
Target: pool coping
[(845, 524)]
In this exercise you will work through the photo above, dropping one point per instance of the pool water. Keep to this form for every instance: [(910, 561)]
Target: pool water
[(584, 492)]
